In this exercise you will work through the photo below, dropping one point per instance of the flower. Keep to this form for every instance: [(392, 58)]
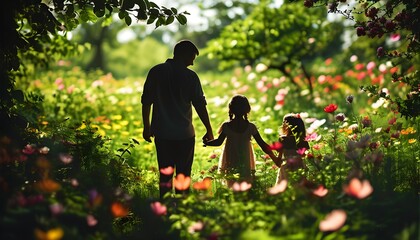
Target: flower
[(182, 182), (330, 108), (278, 188), (366, 122), (119, 210), (47, 186), (167, 171), (158, 208), (205, 184), (340, 117), (91, 220), (349, 99), (51, 234), (321, 191), (276, 146), (358, 189), (29, 149), (66, 158), (301, 151), (241, 187), (380, 52), (333, 221), (195, 227)]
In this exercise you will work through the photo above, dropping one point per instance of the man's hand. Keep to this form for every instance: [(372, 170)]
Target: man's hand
[(147, 135)]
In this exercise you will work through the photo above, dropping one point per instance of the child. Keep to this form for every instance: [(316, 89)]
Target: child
[(293, 141), (238, 155)]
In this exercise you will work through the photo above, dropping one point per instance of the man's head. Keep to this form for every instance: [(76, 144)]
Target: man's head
[(185, 51)]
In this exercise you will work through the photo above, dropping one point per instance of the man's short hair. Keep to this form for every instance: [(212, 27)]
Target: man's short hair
[(185, 47)]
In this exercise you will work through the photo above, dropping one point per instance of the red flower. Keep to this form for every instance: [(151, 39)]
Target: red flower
[(330, 108)]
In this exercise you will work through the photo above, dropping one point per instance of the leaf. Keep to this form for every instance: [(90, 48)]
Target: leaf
[(120, 150), (169, 20), (128, 20), (122, 14), (135, 141), (181, 19), (151, 20)]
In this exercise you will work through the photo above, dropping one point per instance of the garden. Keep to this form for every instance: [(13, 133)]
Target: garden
[(74, 164)]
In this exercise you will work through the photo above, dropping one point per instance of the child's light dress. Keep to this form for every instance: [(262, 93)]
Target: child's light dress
[(238, 154)]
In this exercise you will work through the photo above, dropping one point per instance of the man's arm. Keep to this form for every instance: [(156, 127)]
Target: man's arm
[(147, 133), (204, 117)]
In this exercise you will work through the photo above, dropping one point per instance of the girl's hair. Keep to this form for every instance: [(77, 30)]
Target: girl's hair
[(293, 125), (239, 106)]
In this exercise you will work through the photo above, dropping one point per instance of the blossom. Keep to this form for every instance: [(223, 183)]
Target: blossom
[(241, 187), (205, 184), (91, 220), (44, 150), (51, 234), (158, 208), (66, 158), (340, 117), (276, 146), (56, 208), (29, 149), (330, 108), (278, 188), (167, 171), (47, 186), (119, 210), (366, 122), (301, 151), (358, 189), (182, 182), (349, 99), (196, 227), (333, 221), (320, 191)]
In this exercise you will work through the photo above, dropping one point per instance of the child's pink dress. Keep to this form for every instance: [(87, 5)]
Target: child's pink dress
[(238, 154)]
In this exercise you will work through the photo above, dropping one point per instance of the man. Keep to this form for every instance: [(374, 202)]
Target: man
[(172, 89)]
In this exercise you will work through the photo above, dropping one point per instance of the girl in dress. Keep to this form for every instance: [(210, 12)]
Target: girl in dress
[(238, 155), (293, 144)]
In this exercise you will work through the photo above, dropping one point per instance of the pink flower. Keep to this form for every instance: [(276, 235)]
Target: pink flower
[(158, 208), (333, 221), (66, 158), (311, 137), (196, 227), (276, 146), (56, 208), (321, 191), (29, 149), (330, 108), (91, 220), (358, 189), (301, 151), (278, 188), (167, 171), (241, 187)]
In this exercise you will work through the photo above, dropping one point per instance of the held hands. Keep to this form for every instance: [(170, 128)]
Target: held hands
[(206, 138)]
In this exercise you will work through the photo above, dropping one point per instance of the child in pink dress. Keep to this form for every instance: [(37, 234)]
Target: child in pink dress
[(293, 143), (238, 155)]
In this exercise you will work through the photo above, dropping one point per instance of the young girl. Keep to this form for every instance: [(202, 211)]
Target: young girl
[(238, 155), (293, 142)]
